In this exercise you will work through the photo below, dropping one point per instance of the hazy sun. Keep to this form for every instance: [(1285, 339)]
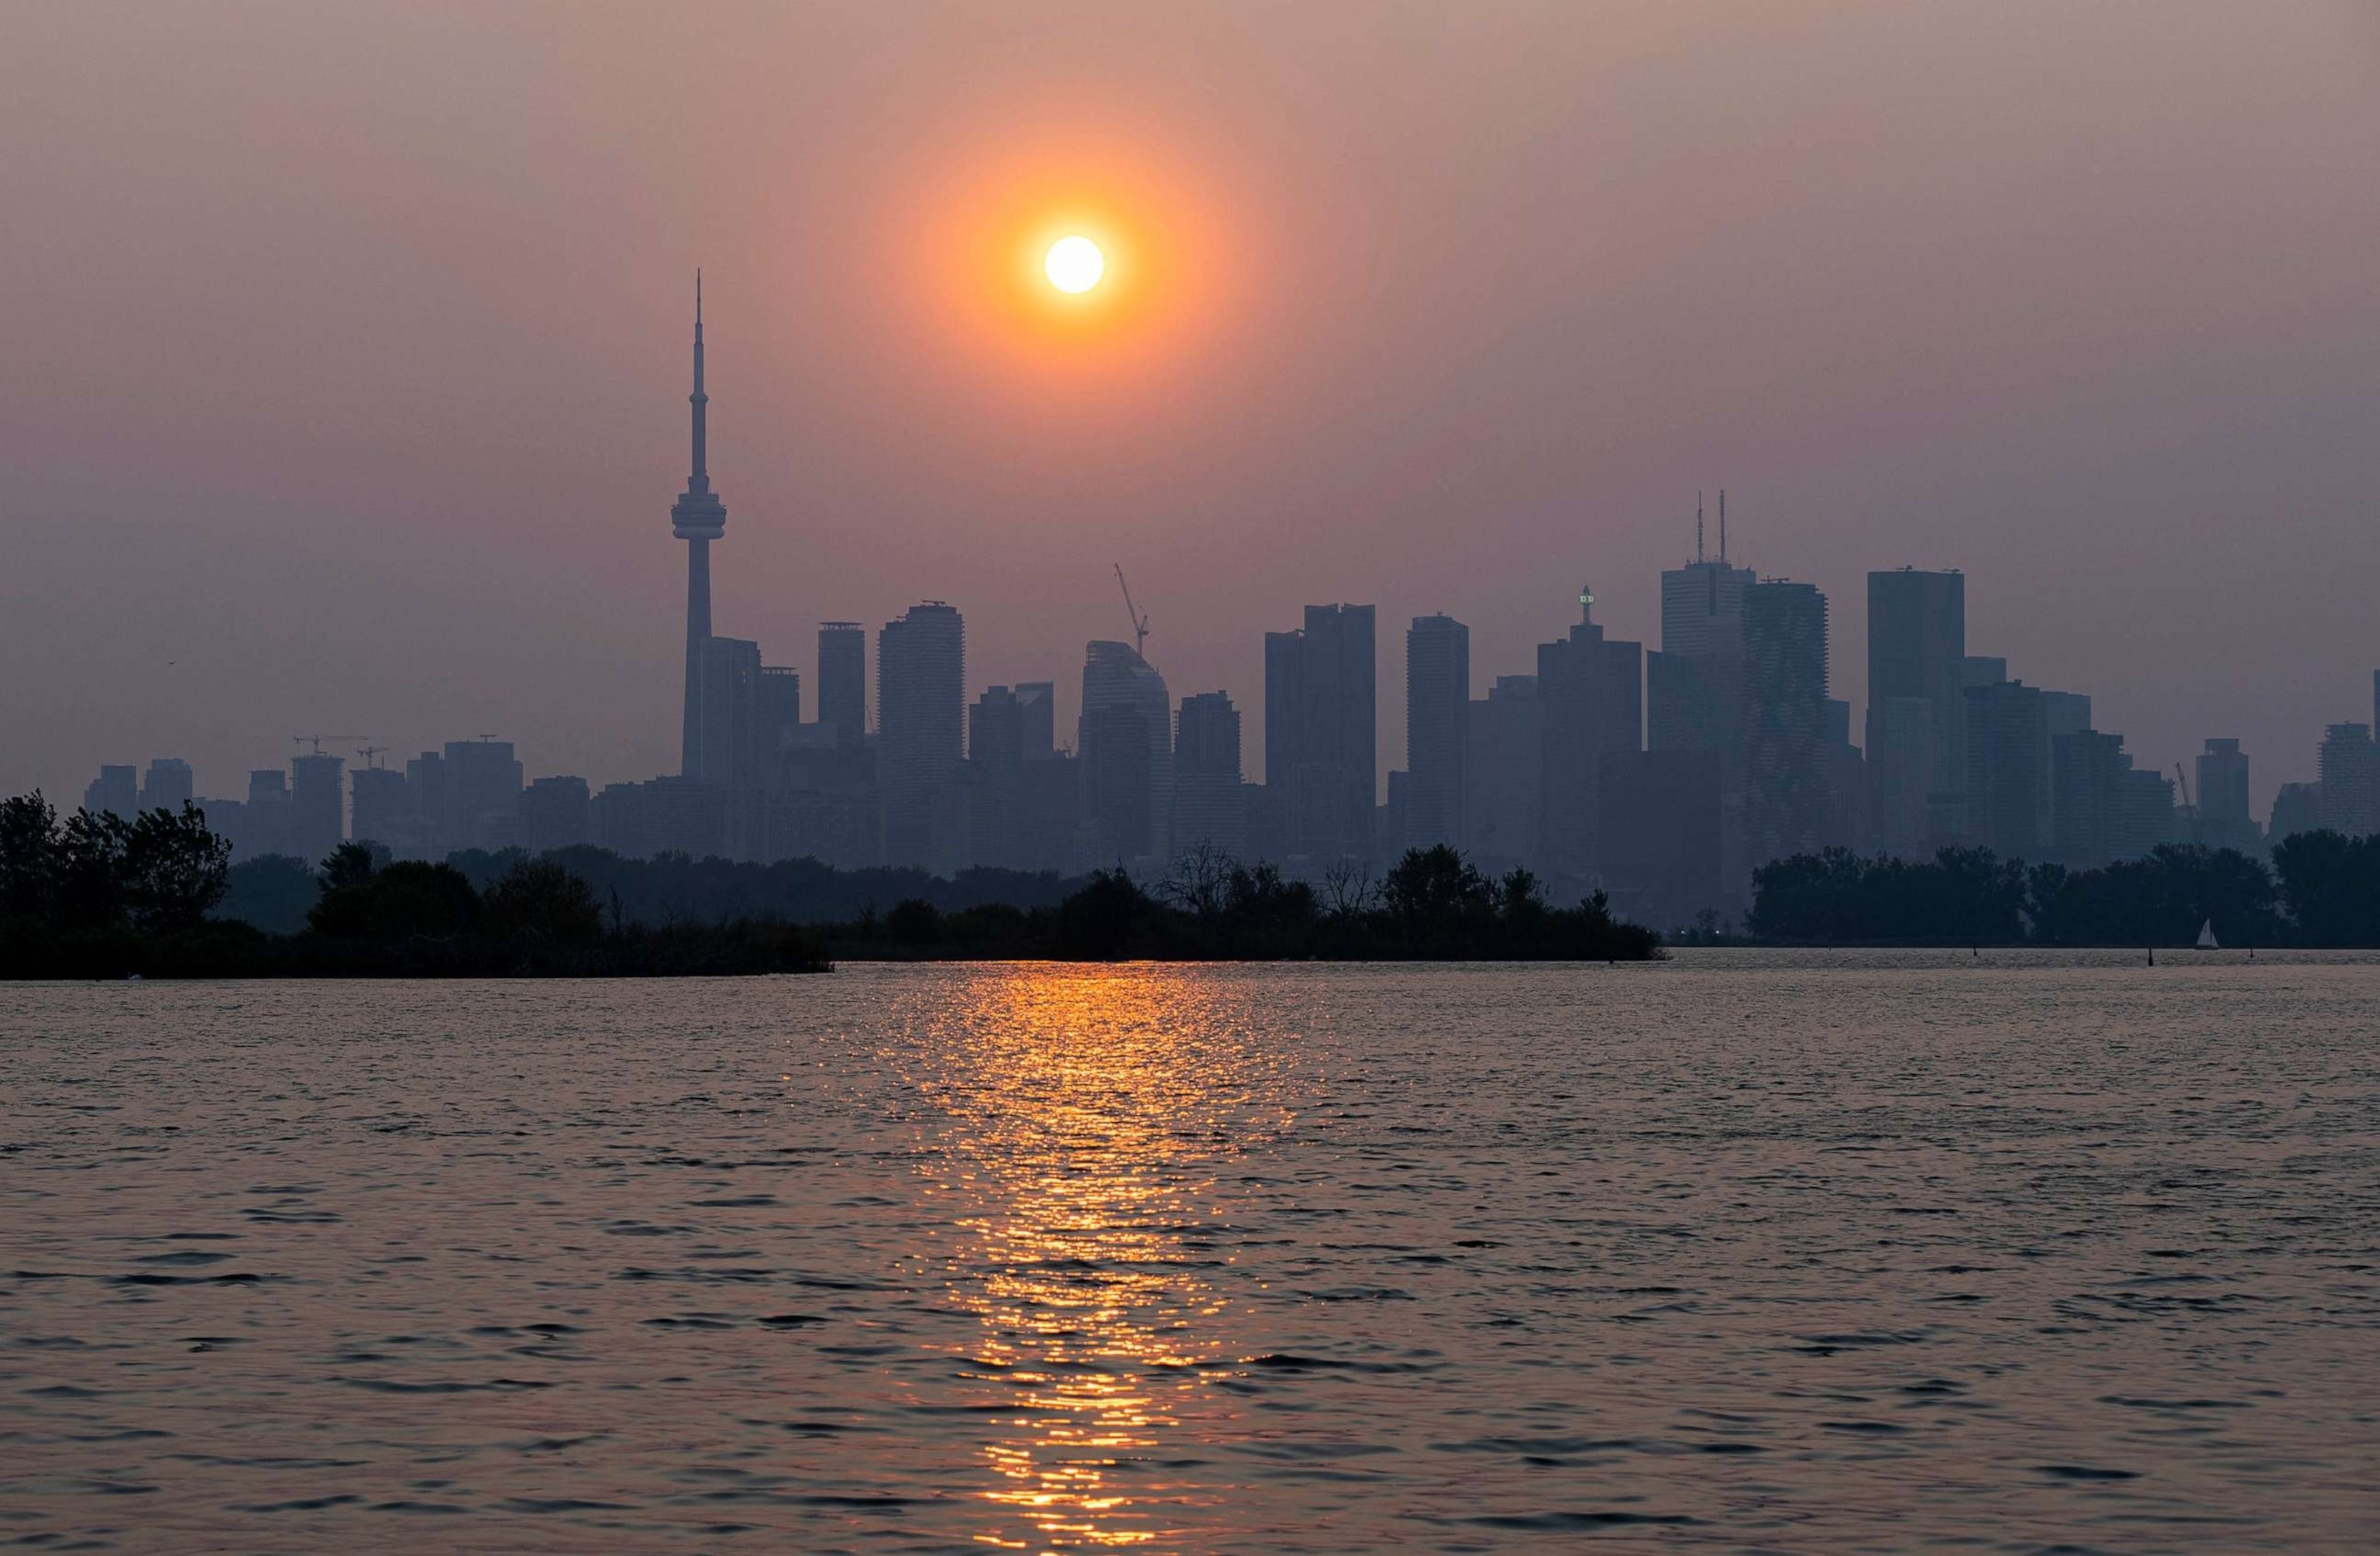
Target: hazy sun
[(1075, 264)]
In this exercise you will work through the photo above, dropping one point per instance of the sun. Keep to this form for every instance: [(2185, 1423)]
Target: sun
[(1075, 264)]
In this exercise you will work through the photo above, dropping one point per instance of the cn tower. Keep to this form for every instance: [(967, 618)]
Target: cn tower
[(698, 518)]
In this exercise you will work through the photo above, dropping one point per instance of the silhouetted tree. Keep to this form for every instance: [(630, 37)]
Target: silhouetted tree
[(408, 898), (273, 892), (90, 868), (1436, 891), (2331, 883), (173, 870), (1200, 879), (28, 856), (1101, 921), (914, 922), (351, 864), (542, 902)]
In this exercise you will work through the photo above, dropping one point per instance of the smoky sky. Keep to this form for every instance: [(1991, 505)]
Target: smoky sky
[(344, 353)]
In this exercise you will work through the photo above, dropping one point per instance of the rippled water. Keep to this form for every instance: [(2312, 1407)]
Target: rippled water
[(1794, 1253)]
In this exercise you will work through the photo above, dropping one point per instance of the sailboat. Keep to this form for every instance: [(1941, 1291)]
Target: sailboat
[(2206, 937)]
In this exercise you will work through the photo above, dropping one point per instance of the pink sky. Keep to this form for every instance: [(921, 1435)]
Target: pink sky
[(344, 364)]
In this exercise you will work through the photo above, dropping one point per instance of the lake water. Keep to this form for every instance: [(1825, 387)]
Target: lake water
[(1741, 1251)]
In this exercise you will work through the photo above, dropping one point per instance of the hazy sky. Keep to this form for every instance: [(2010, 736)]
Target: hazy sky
[(343, 358)]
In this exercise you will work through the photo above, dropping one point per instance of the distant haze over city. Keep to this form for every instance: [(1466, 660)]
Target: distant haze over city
[(346, 365)]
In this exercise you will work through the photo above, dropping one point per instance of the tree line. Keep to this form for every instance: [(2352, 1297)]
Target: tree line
[(95, 895), (2319, 889), (1433, 905)]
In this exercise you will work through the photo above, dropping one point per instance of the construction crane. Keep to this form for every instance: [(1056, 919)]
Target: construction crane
[(316, 740), (1139, 621), (372, 754), (2184, 779)]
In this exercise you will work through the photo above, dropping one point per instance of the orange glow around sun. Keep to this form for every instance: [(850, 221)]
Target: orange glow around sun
[(993, 279)]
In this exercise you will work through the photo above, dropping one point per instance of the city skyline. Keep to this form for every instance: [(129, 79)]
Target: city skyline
[(314, 464), (1668, 776)]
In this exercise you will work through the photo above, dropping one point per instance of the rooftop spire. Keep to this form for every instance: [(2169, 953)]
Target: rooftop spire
[(698, 514), (701, 481), (1699, 527), (1722, 524)]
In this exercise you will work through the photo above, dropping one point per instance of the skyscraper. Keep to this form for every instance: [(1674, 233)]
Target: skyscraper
[(116, 790), (1788, 802), (1128, 792), (1916, 655), (1590, 694), (1505, 755), (168, 784), (1038, 709), (2009, 808), (921, 723), (554, 814), (842, 679), (1694, 687), (1321, 733), (1209, 803), (318, 805), (1437, 714), (727, 749), (2224, 819), (382, 810), (2350, 780), (698, 518), (481, 788)]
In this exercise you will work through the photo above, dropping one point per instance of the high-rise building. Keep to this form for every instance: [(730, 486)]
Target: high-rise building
[(1506, 775), (2224, 819), (555, 813), (1437, 714), (481, 788), (2106, 808), (698, 518), (1321, 734), (425, 787), (2092, 774), (726, 749), (1789, 802), (920, 724), (381, 812), (1916, 651), (1660, 833), (1023, 803), (2009, 808), (777, 718), (842, 679), (168, 784), (116, 791), (1590, 696), (2296, 807), (318, 805), (1127, 794), (1694, 685), (1210, 801), (1037, 711), (2350, 780)]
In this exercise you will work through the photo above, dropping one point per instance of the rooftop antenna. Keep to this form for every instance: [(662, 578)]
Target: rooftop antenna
[(1139, 621), (1722, 525), (1699, 527)]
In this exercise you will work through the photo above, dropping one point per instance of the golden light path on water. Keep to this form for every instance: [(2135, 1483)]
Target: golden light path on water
[(1088, 1113)]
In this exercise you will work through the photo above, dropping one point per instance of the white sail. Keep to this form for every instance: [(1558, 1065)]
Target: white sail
[(2206, 936)]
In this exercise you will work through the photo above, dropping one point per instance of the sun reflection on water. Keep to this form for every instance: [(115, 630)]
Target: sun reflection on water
[(1089, 1110)]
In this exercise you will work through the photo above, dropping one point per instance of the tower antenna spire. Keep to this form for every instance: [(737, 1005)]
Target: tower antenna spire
[(1699, 527), (1722, 524), (698, 518)]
